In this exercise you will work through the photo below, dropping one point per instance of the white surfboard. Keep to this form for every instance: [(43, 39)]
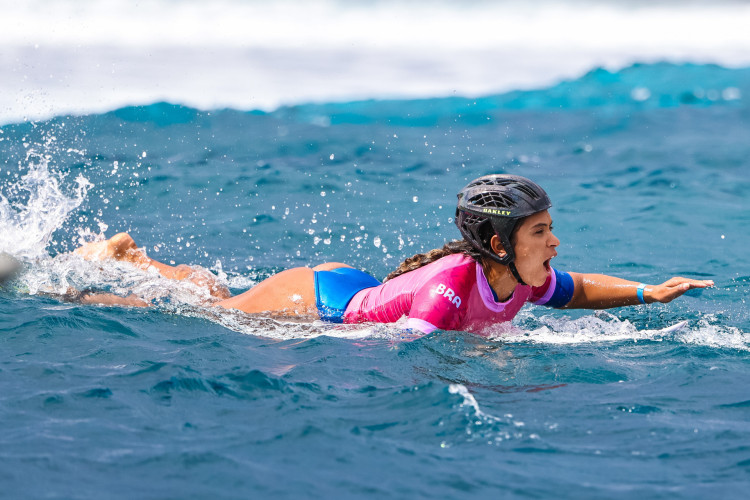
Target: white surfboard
[(674, 328)]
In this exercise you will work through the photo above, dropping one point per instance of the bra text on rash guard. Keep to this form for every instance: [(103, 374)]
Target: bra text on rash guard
[(448, 294)]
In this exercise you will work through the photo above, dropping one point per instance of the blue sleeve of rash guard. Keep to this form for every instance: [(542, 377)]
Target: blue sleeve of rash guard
[(564, 288)]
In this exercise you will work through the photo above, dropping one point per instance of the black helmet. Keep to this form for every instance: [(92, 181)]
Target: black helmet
[(501, 201)]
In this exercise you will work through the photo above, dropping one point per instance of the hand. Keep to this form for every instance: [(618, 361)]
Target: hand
[(672, 288)]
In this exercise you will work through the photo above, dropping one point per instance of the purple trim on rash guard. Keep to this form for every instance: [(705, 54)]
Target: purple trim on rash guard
[(550, 290), (564, 287), (421, 325), (485, 292)]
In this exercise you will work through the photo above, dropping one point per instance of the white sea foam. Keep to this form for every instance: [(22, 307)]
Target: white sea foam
[(712, 334), (87, 56), (604, 327)]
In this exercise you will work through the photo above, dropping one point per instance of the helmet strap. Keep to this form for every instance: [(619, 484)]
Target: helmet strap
[(514, 271)]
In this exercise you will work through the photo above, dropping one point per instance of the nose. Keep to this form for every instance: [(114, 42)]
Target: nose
[(554, 241)]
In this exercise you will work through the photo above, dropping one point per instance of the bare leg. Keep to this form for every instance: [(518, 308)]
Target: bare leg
[(122, 247), (109, 299), (89, 297), (288, 293)]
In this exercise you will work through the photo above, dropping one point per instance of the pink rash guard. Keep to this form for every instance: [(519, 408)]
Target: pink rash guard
[(451, 293)]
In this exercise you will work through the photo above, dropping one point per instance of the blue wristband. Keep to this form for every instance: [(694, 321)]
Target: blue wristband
[(639, 292)]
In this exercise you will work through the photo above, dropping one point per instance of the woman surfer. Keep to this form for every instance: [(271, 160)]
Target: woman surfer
[(502, 262)]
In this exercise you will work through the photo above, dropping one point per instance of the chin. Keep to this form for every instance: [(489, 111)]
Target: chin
[(540, 275)]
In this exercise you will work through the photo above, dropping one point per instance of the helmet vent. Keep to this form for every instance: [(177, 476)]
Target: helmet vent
[(492, 200), (471, 219), (528, 191), (489, 182)]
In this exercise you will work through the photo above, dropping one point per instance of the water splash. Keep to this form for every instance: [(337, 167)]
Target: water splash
[(482, 427), (709, 332), (35, 201), (469, 401)]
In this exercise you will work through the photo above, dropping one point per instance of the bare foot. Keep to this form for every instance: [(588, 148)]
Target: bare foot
[(119, 247), (123, 248)]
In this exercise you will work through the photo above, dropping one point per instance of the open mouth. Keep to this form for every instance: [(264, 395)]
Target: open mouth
[(546, 264)]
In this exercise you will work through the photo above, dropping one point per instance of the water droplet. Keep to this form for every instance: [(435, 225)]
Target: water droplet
[(640, 94)]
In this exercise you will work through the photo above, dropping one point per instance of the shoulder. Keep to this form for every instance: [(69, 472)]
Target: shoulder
[(455, 270), (456, 263), (449, 269)]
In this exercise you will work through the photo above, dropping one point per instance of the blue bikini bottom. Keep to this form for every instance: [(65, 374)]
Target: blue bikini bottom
[(334, 289)]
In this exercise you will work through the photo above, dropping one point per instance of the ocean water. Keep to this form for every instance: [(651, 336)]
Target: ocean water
[(647, 167), (647, 170)]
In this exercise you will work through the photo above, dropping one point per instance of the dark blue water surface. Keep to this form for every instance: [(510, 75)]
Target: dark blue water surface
[(648, 172)]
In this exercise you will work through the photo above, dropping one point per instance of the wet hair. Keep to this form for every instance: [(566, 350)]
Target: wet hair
[(452, 247), (422, 259)]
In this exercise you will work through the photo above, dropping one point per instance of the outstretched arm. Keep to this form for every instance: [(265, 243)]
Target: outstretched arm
[(599, 291)]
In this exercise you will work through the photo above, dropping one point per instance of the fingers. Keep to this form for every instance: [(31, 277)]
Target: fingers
[(675, 287), (693, 283), (703, 284)]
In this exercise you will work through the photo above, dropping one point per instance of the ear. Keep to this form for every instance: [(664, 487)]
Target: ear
[(497, 247)]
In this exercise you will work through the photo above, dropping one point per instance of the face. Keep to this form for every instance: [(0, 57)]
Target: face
[(535, 246)]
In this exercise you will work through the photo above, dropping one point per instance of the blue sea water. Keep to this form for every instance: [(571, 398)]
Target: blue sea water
[(647, 168)]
